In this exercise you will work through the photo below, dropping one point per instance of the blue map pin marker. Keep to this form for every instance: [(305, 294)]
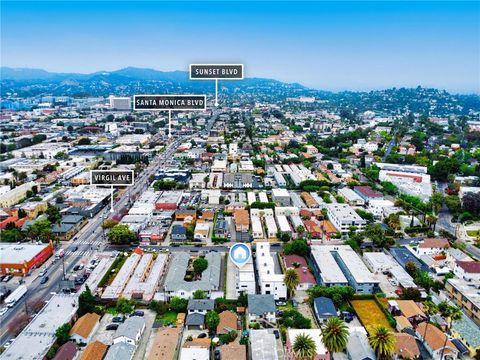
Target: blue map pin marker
[(240, 254)]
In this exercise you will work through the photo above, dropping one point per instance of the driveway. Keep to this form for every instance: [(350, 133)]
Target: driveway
[(231, 293)]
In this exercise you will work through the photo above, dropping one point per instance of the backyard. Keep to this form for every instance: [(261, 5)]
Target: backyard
[(170, 317), (369, 313)]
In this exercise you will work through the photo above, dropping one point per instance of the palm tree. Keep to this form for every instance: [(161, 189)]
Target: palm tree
[(304, 347), (334, 335), (451, 313), (291, 280), (429, 308), (382, 341)]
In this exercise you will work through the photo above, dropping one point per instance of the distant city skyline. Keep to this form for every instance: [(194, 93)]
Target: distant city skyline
[(323, 45)]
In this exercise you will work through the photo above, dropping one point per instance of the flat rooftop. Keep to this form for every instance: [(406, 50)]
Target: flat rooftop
[(18, 253), (329, 269), (35, 340)]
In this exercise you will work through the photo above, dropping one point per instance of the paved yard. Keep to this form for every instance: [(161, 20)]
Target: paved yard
[(142, 347), (231, 283)]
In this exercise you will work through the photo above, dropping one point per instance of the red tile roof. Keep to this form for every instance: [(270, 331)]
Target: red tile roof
[(434, 243), (367, 191), (306, 277), (472, 267)]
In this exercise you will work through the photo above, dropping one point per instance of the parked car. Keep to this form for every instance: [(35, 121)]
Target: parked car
[(7, 278), (8, 343), (277, 334), (44, 280), (280, 303), (345, 315), (3, 311), (42, 272), (112, 327), (137, 313), (217, 354), (202, 336), (118, 319)]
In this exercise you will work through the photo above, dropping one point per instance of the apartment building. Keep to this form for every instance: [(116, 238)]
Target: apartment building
[(466, 295), (343, 217), (341, 265), (270, 277)]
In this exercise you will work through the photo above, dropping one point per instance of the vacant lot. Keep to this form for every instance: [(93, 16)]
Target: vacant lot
[(369, 313)]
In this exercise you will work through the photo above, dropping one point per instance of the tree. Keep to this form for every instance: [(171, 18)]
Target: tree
[(375, 233), (291, 280), (212, 319), (109, 223), (84, 141), (437, 201), (200, 264), (21, 213), (178, 304), (304, 347), (121, 234), (124, 306), (334, 335), (382, 341), (471, 202), (41, 230), (430, 309), (297, 247), (199, 294), (86, 302), (411, 293), (411, 268), (451, 313), (63, 333), (53, 214)]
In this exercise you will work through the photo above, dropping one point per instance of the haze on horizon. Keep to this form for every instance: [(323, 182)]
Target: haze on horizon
[(325, 45)]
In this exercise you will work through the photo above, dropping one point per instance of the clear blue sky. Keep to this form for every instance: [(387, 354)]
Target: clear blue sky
[(327, 45)]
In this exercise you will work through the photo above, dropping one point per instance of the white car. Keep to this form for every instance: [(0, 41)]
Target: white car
[(3, 311), (8, 343)]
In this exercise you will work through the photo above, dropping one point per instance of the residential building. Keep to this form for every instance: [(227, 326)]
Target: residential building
[(357, 346), (84, 328), (323, 308), (261, 308), (241, 218), (120, 351), (468, 270), (130, 331), (466, 296), (341, 265), (406, 347), (263, 345), (343, 217), (176, 285), (315, 335), (352, 198), (270, 281), (434, 341), (178, 233), (94, 351), (228, 322), (281, 197), (432, 246)]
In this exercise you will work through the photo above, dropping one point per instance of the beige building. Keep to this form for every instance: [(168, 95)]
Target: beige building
[(15, 195)]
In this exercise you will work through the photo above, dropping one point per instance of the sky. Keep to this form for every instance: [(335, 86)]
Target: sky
[(326, 45)]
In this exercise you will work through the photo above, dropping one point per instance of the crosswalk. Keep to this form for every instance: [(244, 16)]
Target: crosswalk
[(83, 250)]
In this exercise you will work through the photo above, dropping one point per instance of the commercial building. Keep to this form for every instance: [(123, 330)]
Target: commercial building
[(341, 265), (120, 103), (19, 259), (270, 277), (343, 217), (39, 335), (414, 184)]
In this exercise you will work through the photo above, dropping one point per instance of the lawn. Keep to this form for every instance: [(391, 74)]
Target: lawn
[(473, 233), (369, 313), (170, 317)]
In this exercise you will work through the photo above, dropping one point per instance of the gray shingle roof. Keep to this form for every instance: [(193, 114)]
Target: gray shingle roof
[(120, 351), (210, 280), (195, 319), (203, 304), (261, 304), (131, 327), (468, 330)]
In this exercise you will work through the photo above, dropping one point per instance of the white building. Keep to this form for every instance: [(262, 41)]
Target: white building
[(351, 197), (120, 103), (343, 217), (270, 281)]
